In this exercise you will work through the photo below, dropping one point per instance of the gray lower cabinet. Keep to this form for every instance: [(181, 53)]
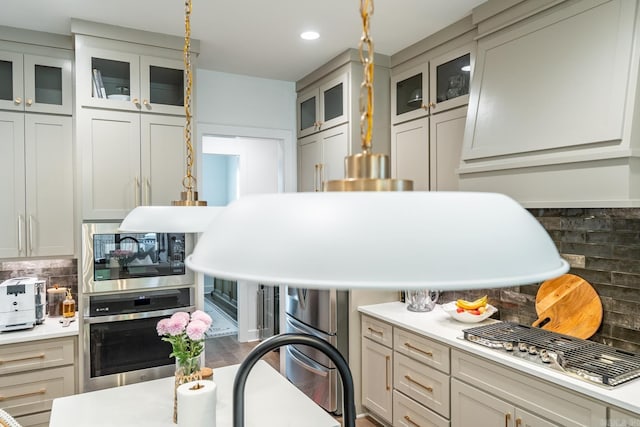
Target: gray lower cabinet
[(491, 392), (411, 380), (33, 374), (471, 406)]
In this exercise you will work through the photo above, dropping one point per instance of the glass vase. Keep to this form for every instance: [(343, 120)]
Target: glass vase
[(187, 370)]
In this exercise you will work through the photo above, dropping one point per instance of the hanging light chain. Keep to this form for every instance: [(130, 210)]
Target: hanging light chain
[(366, 88), (189, 181)]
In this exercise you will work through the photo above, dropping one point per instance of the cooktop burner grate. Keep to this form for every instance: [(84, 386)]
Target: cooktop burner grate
[(588, 360)]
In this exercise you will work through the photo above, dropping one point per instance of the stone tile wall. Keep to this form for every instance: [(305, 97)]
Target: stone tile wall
[(606, 245), (61, 272)]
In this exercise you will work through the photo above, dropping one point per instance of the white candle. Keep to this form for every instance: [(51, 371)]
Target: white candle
[(197, 404)]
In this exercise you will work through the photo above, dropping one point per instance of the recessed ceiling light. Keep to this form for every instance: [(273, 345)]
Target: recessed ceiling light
[(309, 35)]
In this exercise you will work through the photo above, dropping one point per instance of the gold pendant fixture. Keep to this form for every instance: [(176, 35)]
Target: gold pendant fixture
[(188, 197), (367, 171)]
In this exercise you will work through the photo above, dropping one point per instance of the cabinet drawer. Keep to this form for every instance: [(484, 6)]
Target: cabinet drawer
[(29, 392), (36, 355), (421, 383), (421, 349), (41, 419), (408, 413), (621, 418), (378, 331), (549, 401)]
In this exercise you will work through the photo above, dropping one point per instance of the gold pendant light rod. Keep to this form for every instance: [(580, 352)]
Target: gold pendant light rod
[(366, 87), (189, 197), (367, 171)]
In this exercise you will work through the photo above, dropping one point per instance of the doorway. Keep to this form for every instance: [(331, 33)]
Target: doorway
[(233, 167)]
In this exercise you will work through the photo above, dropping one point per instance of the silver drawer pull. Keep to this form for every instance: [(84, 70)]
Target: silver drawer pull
[(375, 331), (16, 396), (425, 352), (410, 421), (426, 387), (19, 359)]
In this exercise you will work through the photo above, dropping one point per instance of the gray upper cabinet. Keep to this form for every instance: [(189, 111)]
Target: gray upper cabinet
[(553, 107), (323, 106), (127, 81), (35, 83), (434, 86)]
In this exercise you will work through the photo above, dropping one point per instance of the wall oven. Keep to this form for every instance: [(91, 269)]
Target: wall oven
[(113, 261), (120, 342), (325, 314)]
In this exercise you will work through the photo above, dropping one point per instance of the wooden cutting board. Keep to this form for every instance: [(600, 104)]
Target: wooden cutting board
[(569, 305)]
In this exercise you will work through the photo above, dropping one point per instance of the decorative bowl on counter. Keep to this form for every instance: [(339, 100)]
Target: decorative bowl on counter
[(452, 310)]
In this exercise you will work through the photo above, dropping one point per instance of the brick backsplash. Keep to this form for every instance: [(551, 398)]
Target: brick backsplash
[(62, 272), (609, 241)]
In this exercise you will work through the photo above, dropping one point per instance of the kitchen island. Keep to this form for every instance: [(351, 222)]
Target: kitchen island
[(271, 401)]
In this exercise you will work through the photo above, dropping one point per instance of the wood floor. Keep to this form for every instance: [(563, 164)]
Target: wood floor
[(224, 351)]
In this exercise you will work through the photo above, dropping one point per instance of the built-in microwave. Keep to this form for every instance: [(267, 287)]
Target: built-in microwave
[(115, 261)]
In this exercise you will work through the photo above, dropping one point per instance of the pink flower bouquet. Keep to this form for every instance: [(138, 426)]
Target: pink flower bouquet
[(185, 332)]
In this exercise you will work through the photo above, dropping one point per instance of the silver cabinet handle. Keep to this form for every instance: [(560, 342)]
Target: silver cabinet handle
[(136, 102), (145, 102), (29, 102), (315, 177), (30, 223), (18, 101), (20, 220), (321, 176)]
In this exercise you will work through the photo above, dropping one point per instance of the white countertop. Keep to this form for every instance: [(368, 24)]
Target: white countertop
[(50, 328), (439, 326), (271, 401)]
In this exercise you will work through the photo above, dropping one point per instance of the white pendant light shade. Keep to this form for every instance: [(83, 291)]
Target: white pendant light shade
[(169, 219), (391, 240)]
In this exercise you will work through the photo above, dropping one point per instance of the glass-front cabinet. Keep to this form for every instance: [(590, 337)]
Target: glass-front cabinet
[(450, 75), (126, 81), (35, 83), (323, 106), (410, 94), (432, 87)]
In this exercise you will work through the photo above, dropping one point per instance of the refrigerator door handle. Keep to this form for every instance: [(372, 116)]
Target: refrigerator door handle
[(302, 297), (307, 363)]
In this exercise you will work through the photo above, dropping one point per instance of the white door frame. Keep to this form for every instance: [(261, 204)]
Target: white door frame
[(247, 327)]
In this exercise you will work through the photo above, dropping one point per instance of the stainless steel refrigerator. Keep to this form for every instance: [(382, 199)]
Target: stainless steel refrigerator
[(325, 314)]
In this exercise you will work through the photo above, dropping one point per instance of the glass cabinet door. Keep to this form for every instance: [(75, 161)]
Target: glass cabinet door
[(47, 84), (110, 79), (450, 77), (409, 95), (162, 85), (333, 100), (11, 81), (308, 104)]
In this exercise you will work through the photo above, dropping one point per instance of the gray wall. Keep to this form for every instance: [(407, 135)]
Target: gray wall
[(609, 240)]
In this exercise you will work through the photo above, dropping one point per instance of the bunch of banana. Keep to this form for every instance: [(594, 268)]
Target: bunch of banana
[(478, 306)]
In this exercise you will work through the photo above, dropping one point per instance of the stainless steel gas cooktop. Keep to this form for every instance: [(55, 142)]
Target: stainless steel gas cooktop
[(587, 360)]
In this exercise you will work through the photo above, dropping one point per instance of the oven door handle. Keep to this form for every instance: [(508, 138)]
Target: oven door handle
[(136, 316)]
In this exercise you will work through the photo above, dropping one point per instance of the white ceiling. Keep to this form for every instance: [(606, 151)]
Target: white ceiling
[(253, 37)]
